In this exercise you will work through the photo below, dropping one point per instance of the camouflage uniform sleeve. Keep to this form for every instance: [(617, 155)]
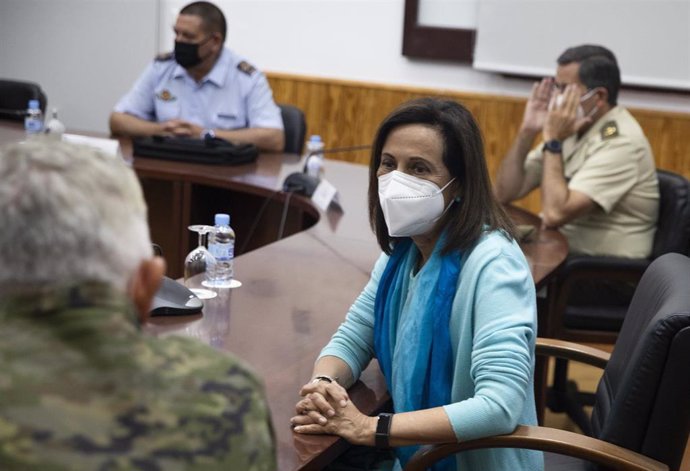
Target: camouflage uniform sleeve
[(135, 402), (227, 419)]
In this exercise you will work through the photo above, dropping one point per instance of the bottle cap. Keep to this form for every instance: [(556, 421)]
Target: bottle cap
[(222, 219), (315, 138), (33, 104)]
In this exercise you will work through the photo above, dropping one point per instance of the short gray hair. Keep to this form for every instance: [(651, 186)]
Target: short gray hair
[(69, 213)]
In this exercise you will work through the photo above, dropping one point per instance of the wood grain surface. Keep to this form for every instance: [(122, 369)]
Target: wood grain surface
[(347, 113)]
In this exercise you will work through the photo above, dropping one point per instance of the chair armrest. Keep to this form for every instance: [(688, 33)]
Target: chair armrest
[(544, 439), (585, 266), (572, 351)]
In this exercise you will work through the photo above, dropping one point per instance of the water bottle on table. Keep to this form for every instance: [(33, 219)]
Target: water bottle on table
[(221, 244), (314, 162), (33, 122)]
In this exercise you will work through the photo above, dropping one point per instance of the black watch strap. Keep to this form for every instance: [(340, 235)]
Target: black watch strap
[(554, 146), (383, 431)]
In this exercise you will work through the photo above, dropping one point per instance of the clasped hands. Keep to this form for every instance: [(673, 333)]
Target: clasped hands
[(555, 117), (326, 408), (180, 128)]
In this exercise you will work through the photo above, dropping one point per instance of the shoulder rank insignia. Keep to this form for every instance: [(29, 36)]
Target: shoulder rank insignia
[(246, 67), (165, 95), (609, 130), (166, 56)]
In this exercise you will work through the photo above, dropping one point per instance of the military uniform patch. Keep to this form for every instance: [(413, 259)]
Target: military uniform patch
[(609, 130), (246, 67), (165, 95), (166, 56)]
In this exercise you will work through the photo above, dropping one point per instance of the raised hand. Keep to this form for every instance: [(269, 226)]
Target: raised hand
[(538, 106), (562, 119)]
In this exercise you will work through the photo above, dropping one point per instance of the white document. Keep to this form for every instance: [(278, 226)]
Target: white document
[(109, 146)]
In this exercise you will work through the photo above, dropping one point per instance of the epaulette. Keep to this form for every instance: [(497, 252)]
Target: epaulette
[(609, 130), (166, 56), (246, 67)]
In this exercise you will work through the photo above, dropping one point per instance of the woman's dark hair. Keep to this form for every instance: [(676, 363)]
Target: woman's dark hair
[(211, 16), (463, 155)]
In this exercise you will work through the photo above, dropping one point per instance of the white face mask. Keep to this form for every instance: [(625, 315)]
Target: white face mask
[(411, 205), (580, 111)]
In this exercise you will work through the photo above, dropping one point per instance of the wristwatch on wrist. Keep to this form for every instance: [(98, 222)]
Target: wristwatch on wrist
[(383, 431), (208, 134), (554, 146)]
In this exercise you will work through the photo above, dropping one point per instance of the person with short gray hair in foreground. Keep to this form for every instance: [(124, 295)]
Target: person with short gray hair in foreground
[(82, 387)]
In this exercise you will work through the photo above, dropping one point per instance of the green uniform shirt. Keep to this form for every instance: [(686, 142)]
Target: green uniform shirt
[(82, 388)]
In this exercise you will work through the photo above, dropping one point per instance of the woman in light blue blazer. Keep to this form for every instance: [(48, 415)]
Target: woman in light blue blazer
[(449, 311)]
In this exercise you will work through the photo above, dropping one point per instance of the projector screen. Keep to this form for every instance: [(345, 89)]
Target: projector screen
[(651, 38)]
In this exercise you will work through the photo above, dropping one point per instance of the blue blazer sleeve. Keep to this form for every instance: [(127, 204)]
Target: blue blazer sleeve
[(353, 342), (494, 326)]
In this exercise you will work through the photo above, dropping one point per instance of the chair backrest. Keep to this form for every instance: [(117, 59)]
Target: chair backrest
[(295, 128), (15, 96), (673, 228), (643, 398)]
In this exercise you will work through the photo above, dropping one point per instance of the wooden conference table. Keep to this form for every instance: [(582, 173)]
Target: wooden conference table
[(295, 291)]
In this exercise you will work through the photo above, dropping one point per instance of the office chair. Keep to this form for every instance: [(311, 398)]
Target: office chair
[(15, 96), (295, 128), (601, 323), (641, 417)]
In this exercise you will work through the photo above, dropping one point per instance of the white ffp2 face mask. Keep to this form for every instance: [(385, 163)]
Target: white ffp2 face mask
[(411, 205)]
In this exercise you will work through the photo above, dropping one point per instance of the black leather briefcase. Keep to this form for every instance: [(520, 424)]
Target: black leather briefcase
[(205, 151)]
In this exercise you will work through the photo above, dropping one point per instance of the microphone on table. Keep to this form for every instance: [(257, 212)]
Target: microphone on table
[(304, 184)]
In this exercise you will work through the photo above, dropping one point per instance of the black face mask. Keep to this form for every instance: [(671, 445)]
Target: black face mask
[(187, 54)]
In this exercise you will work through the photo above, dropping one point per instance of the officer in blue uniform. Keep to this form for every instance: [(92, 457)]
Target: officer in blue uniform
[(202, 89)]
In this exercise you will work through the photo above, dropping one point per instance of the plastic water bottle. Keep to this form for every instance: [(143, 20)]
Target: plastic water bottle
[(33, 122), (221, 244), (54, 126), (314, 163)]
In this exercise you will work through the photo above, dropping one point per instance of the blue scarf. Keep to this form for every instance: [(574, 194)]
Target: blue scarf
[(415, 355)]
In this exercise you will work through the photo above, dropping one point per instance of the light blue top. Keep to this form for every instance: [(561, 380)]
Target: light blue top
[(493, 331), (233, 95)]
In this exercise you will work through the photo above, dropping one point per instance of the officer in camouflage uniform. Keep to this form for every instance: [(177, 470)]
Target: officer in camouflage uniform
[(81, 387)]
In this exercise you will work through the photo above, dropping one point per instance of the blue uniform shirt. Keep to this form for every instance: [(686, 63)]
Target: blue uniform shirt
[(234, 95)]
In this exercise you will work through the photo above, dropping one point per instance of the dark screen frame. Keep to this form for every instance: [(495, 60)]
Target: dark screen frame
[(430, 42)]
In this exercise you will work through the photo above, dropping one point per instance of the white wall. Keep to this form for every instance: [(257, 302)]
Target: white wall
[(86, 53)]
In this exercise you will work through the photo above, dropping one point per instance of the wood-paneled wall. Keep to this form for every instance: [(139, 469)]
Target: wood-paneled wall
[(347, 113)]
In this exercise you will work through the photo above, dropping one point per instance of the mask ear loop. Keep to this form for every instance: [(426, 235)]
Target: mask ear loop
[(455, 200), (594, 110)]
